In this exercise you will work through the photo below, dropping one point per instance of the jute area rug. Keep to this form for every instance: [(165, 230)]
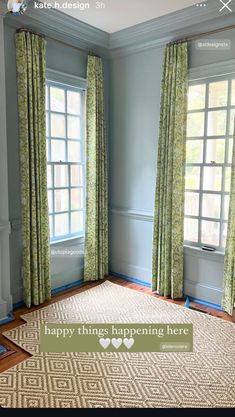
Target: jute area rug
[(202, 379)]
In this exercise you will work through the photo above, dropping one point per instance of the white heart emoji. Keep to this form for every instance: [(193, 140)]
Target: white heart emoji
[(105, 343), (129, 343), (116, 343)]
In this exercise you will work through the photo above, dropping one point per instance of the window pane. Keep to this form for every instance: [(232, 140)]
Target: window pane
[(61, 224), (47, 100), (49, 176), (217, 121), (77, 222), (211, 204), (232, 120), (58, 150), (76, 175), (57, 126), (210, 232), (194, 151), (76, 199), (215, 151), (192, 180), (74, 127), (74, 151), (61, 176), (212, 179), (227, 179), (73, 102), (195, 125), (233, 93), (196, 97), (218, 94), (61, 200), (226, 206), (51, 225), (57, 96), (192, 204), (48, 153), (230, 151), (224, 236), (50, 201), (191, 230), (47, 125)]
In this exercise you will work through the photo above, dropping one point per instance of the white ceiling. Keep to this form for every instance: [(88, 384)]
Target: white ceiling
[(121, 14)]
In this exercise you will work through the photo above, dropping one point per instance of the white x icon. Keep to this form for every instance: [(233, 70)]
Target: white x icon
[(225, 5)]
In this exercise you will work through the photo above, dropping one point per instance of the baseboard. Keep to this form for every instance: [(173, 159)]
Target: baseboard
[(131, 270), (53, 292), (8, 319), (67, 286), (131, 279), (204, 303)]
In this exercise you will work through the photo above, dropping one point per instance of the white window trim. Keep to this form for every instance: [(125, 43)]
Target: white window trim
[(54, 77), (211, 73)]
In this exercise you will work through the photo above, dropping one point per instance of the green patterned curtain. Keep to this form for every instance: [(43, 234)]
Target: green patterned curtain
[(167, 265), (96, 239), (229, 260), (31, 80)]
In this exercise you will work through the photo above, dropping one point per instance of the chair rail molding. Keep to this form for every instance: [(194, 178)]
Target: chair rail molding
[(134, 214), (5, 291)]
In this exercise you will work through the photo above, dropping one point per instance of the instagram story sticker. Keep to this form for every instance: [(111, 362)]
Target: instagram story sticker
[(17, 7)]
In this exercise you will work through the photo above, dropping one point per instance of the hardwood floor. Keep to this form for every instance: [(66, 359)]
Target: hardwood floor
[(21, 355)]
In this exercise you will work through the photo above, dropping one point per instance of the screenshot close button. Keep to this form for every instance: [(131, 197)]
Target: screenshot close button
[(226, 5)]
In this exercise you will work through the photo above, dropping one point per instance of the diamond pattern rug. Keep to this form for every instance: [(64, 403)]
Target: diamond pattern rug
[(202, 379)]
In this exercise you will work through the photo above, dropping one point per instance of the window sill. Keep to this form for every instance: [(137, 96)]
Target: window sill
[(81, 240), (196, 251)]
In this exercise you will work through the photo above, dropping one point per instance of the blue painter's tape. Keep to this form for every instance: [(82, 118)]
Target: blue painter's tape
[(135, 280), (187, 304), (53, 292), (8, 319), (67, 287), (204, 303), (18, 305)]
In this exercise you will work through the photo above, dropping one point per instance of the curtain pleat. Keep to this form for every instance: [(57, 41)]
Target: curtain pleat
[(31, 83), (96, 238), (229, 260), (167, 263)]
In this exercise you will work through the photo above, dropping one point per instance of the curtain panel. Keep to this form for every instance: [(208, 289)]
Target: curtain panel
[(229, 260), (167, 263), (96, 238), (31, 82)]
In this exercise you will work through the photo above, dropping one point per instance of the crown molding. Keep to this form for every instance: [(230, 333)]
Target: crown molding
[(148, 35), (52, 22), (157, 32)]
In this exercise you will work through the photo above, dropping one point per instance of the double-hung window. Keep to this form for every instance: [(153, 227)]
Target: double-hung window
[(210, 125), (65, 160)]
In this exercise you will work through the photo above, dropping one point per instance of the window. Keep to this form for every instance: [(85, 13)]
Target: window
[(65, 160), (211, 112)]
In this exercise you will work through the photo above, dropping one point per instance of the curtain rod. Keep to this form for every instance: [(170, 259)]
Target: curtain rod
[(58, 41), (201, 35)]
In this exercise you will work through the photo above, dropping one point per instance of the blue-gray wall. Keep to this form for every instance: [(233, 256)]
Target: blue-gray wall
[(132, 110), (135, 104)]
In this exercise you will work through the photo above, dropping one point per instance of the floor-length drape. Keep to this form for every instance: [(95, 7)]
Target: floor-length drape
[(167, 265), (31, 80), (96, 239), (229, 260)]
